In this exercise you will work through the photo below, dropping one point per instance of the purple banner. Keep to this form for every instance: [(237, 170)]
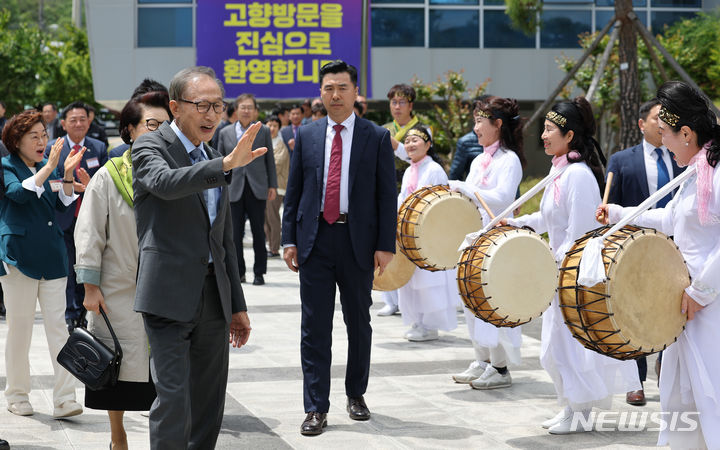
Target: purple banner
[(275, 48)]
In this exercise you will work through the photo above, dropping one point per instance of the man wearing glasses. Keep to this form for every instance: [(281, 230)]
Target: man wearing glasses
[(252, 187), (188, 285)]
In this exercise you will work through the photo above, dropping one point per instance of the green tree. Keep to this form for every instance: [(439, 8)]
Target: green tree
[(67, 75), (451, 110), (23, 56), (695, 45)]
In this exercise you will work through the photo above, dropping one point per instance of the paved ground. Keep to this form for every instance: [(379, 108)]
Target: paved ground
[(413, 400)]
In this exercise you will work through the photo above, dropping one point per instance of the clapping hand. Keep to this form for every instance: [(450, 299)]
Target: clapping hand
[(243, 154), (84, 180), (54, 155), (72, 161)]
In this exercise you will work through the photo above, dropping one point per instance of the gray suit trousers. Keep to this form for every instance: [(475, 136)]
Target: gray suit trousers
[(189, 365)]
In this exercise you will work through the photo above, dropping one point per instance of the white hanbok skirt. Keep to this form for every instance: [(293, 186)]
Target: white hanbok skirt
[(430, 298)]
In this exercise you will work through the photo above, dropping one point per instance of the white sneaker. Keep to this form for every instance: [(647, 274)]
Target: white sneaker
[(67, 409), (388, 310), (21, 408), (471, 373), (492, 379), (565, 412), (421, 334), (410, 331), (566, 425)]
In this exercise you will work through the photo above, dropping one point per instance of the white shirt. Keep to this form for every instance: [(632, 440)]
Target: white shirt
[(573, 217), (503, 174), (239, 130), (72, 144), (347, 135), (651, 165)]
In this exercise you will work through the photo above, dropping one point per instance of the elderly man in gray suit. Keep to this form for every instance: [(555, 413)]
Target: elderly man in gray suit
[(188, 287), (252, 187)]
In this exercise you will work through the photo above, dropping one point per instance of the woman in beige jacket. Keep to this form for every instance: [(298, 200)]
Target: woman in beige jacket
[(107, 259), (282, 166)]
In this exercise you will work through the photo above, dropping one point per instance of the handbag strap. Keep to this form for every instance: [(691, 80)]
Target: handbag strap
[(116, 343)]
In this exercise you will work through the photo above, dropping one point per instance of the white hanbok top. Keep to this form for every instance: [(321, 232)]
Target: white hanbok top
[(497, 185), (502, 178), (429, 297), (690, 374), (582, 378)]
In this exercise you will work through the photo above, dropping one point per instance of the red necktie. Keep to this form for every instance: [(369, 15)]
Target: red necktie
[(332, 184), (77, 148)]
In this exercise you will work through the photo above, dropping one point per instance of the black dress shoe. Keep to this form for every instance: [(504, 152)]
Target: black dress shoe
[(2, 309), (357, 409), (272, 255), (258, 281), (243, 279), (313, 424), (4, 445)]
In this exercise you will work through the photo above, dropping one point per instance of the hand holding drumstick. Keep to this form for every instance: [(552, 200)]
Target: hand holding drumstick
[(602, 214)]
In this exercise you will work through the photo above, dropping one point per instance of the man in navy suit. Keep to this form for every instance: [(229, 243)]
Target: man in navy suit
[(639, 172), (75, 121), (338, 226)]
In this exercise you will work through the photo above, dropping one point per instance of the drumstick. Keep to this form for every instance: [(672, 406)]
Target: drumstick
[(608, 183), (484, 205)]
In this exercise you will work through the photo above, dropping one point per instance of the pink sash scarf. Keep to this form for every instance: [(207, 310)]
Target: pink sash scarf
[(413, 181), (559, 162), (486, 159), (704, 182)]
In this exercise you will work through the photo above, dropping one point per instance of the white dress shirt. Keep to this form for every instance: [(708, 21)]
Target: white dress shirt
[(651, 165), (347, 135)]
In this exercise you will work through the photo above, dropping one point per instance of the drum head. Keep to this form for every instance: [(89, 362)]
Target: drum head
[(646, 285), (396, 274), (521, 275), (442, 227)]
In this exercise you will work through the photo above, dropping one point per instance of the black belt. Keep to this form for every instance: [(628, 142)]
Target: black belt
[(342, 218)]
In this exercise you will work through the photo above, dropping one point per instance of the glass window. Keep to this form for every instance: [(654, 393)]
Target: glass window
[(398, 27), (560, 29), (678, 3), (397, 1), (551, 2), (454, 2), (454, 28), (636, 3), (602, 17), (163, 1), (499, 33), (165, 27), (494, 2), (662, 18)]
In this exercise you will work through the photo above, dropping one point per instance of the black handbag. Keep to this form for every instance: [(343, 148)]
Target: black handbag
[(91, 361)]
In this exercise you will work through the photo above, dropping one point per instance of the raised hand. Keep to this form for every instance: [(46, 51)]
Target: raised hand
[(54, 155), (72, 161), (243, 154)]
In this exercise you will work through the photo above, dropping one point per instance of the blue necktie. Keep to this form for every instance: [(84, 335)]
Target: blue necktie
[(195, 157), (663, 178)]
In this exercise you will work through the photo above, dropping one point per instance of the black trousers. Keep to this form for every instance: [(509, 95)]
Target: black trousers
[(74, 292), (332, 263), (189, 366), (254, 208)]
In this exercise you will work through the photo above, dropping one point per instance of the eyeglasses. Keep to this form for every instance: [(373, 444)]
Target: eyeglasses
[(203, 106), (152, 124), (246, 108), (398, 102)]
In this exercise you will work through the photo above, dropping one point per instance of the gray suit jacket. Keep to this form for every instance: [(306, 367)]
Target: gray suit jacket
[(259, 174), (174, 233)]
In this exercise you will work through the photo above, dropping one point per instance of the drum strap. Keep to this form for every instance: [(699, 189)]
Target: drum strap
[(554, 173), (592, 267)]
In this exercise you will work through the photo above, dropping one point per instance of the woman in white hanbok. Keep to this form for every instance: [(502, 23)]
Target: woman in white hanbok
[(582, 378), (690, 373), (428, 302), (494, 175)]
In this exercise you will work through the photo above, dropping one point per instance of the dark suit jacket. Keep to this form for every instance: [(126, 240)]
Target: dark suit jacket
[(630, 186), (175, 236), (260, 174), (372, 192), (466, 150), (287, 134), (31, 238), (95, 149)]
